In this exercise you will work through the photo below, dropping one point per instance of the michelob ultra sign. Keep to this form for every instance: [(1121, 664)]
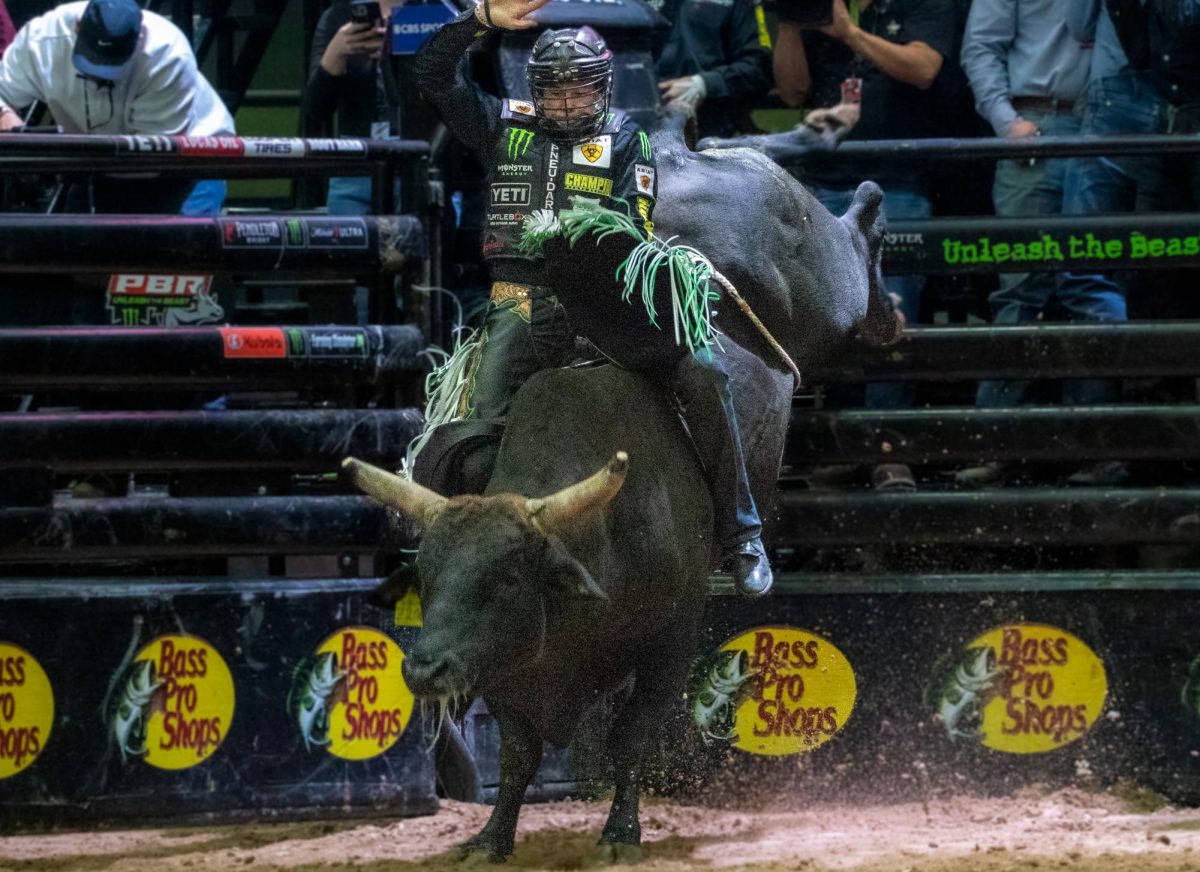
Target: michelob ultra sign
[(773, 691), (1020, 688)]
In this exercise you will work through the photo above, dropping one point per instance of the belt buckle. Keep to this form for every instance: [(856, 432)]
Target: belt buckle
[(502, 292)]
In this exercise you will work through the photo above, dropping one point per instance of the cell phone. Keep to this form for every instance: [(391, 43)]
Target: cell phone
[(805, 13), (365, 12)]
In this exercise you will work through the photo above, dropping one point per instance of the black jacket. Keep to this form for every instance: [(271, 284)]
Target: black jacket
[(726, 43), (528, 169), (366, 95), (1162, 39)]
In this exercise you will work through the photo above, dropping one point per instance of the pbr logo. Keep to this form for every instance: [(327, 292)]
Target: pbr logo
[(1021, 688), (773, 691), (161, 300), (26, 709), (175, 704), (597, 152), (349, 696)]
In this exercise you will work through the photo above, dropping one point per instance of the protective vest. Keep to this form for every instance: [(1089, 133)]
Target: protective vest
[(531, 171)]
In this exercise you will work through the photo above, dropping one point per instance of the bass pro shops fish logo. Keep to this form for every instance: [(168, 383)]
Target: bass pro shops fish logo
[(349, 696), (140, 699), (1019, 688), (962, 686), (317, 686), (773, 691), (716, 700), (175, 706)]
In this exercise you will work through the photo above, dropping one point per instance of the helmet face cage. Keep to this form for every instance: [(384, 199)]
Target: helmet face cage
[(570, 80)]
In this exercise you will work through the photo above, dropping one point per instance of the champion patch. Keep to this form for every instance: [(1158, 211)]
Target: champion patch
[(596, 152), (645, 179)]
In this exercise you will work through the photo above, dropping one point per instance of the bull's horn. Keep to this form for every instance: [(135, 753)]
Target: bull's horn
[(417, 502), (571, 505)]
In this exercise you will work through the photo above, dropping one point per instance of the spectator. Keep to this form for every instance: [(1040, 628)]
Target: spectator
[(792, 79), (107, 67), (1027, 72), (7, 31), (717, 61), (1144, 79), (884, 54), (348, 77)]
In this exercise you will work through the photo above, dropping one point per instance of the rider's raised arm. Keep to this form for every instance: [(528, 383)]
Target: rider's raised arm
[(440, 69)]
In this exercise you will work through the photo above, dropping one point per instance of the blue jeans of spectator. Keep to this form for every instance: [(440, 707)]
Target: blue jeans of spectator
[(901, 201), (1121, 104), (1022, 189), (351, 195), (205, 200)]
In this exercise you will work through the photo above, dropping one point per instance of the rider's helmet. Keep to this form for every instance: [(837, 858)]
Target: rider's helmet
[(570, 79)]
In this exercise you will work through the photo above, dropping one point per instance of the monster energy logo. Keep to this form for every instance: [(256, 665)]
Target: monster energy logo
[(518, 142), (647, 153)]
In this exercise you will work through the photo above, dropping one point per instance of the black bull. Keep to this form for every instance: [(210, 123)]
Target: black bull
[(542, 605)]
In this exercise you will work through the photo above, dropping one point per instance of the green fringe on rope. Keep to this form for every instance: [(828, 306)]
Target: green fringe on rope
[(689, 270)]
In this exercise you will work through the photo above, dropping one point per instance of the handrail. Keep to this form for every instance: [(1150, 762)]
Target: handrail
[(984, 148), (227, 155)]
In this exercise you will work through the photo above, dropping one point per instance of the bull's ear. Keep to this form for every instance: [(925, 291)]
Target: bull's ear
[(564, 575), (395, 587)]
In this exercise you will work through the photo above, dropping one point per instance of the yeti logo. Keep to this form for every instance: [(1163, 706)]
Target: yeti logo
[(510, 195)]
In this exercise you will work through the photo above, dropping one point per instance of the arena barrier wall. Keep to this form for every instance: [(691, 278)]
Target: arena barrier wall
[(968, 670), (194, 699)]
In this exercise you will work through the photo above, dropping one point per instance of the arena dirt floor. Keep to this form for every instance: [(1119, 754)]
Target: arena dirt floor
[(1071, 829)]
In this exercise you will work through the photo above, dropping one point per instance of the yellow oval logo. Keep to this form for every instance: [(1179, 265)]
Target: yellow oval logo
[(176, 703), (26, 709), (350, 697), (1021, 689), (774, 691)]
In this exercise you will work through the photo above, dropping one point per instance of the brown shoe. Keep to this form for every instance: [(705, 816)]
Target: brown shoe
[(893, 478)]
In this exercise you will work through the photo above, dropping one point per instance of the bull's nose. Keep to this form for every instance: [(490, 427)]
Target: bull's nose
[(425, 674)]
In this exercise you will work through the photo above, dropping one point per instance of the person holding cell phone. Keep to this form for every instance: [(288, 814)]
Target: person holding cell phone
[(349, 80)]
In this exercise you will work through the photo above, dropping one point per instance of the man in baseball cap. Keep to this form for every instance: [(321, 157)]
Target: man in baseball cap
[(107, 36), (108, 67)]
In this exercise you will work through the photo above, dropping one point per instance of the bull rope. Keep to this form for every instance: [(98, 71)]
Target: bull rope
[(689, 271), (762, 328)]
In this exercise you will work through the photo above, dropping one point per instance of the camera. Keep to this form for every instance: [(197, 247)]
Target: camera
[(365, 12), (804, 13)]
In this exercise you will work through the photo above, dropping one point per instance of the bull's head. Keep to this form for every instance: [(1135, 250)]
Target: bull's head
[(487, 566)]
